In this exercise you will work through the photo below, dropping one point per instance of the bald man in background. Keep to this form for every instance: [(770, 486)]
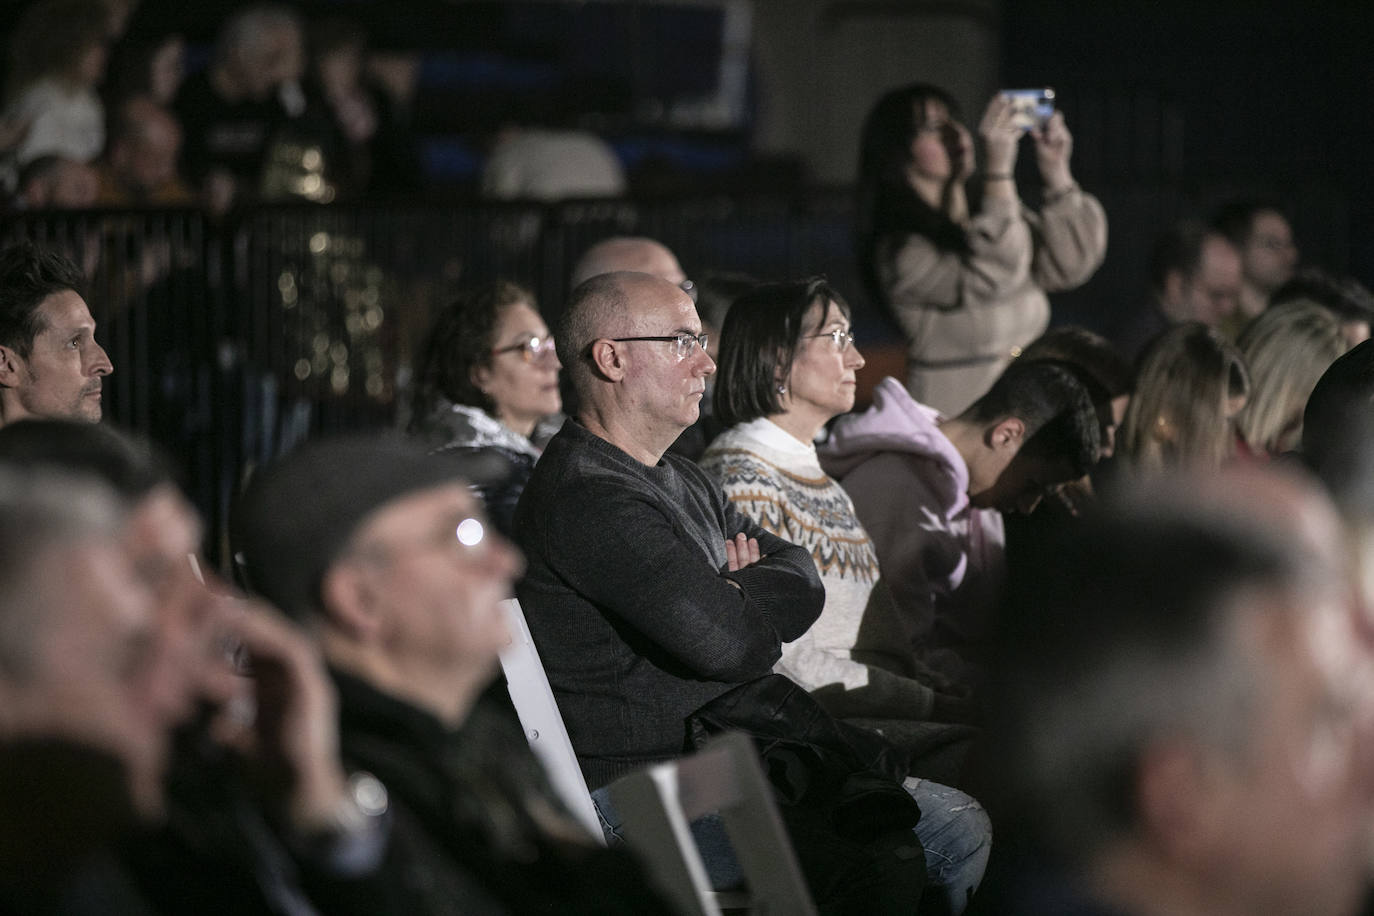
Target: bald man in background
[(624, 252)]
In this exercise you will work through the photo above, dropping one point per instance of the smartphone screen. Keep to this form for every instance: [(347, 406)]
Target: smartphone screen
[(1030, 107)]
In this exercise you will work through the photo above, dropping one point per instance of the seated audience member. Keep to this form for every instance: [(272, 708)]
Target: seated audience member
[(391, 565), (488, 384), (654, 599), (631, 253), (1099, 365), (256, 813), (57, 59), (50, 363), (1176, 734), (1351, 301), (80, 689), (1338, 428), (1195, 275), (1109, 379), (54, 183), (1260, 232), (930, 491), (374, 150), (644, 255), (1190, 384), (1286, 348), (787, 368), (671, 556), (141, 165), (233, 111)]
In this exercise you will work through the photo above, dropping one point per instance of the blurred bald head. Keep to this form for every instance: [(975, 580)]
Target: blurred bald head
[(628, 253)]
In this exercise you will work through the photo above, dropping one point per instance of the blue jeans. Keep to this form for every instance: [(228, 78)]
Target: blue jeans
[(954, 831), (956, 834)]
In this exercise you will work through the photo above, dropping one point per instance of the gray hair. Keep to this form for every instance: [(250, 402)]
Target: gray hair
[(1125, 631), (43, 511)]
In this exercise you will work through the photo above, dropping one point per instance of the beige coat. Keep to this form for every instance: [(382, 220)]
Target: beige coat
[(966, 316)]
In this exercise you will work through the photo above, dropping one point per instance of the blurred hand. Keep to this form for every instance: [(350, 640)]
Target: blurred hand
[(294, 736), (1053, 147), (1000, 136)]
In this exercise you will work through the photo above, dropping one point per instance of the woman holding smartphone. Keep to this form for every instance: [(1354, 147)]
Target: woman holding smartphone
[(958, 260)]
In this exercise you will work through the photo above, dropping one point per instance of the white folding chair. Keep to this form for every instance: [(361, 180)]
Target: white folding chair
[(542, 722), (656, 806)]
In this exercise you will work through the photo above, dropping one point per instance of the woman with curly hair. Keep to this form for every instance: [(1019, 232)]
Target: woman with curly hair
[(487, 380)]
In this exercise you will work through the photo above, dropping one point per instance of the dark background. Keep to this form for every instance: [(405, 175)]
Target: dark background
[(1176, 106)]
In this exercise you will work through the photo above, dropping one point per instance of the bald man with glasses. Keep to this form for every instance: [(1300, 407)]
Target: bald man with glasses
[(648, 593)]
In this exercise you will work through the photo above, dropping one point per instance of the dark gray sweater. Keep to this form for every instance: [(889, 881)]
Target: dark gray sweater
[(628, 600)]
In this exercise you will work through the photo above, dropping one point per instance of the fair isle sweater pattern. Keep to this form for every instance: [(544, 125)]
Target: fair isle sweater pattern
[(788, 494)]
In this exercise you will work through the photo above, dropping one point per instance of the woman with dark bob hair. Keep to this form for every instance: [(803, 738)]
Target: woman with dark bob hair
[(964, 271), (787, 366), (488, 382)]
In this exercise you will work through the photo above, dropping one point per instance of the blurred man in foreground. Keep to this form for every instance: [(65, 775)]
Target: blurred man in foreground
[(1184, 722)]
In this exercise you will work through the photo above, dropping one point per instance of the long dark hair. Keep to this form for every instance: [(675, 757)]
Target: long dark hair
[(887, 205)]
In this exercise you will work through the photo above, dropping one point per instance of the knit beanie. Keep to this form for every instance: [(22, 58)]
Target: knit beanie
[(297, 513)]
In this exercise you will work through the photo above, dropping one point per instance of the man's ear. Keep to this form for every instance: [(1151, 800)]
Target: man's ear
[(1173, 287), (1180, 801), (350, 601), (606, 357), (11, 368), (1009, 432)]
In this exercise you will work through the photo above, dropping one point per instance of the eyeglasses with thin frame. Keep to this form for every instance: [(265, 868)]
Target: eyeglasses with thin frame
[(530, 350), (843, 338), (686, 343)]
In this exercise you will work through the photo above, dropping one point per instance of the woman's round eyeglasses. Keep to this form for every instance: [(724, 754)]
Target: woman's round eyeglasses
[(530, 350)]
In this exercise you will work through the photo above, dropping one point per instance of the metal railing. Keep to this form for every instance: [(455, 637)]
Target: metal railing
[(232, 342)]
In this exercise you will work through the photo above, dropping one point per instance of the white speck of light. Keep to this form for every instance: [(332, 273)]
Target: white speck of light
[(470, 532)]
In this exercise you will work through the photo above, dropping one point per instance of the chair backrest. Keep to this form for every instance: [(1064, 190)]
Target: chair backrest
[(657, 805), (542, 722)]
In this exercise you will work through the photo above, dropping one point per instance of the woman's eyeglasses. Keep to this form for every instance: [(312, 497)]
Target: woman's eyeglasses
[(530, 350), (843, 338)]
